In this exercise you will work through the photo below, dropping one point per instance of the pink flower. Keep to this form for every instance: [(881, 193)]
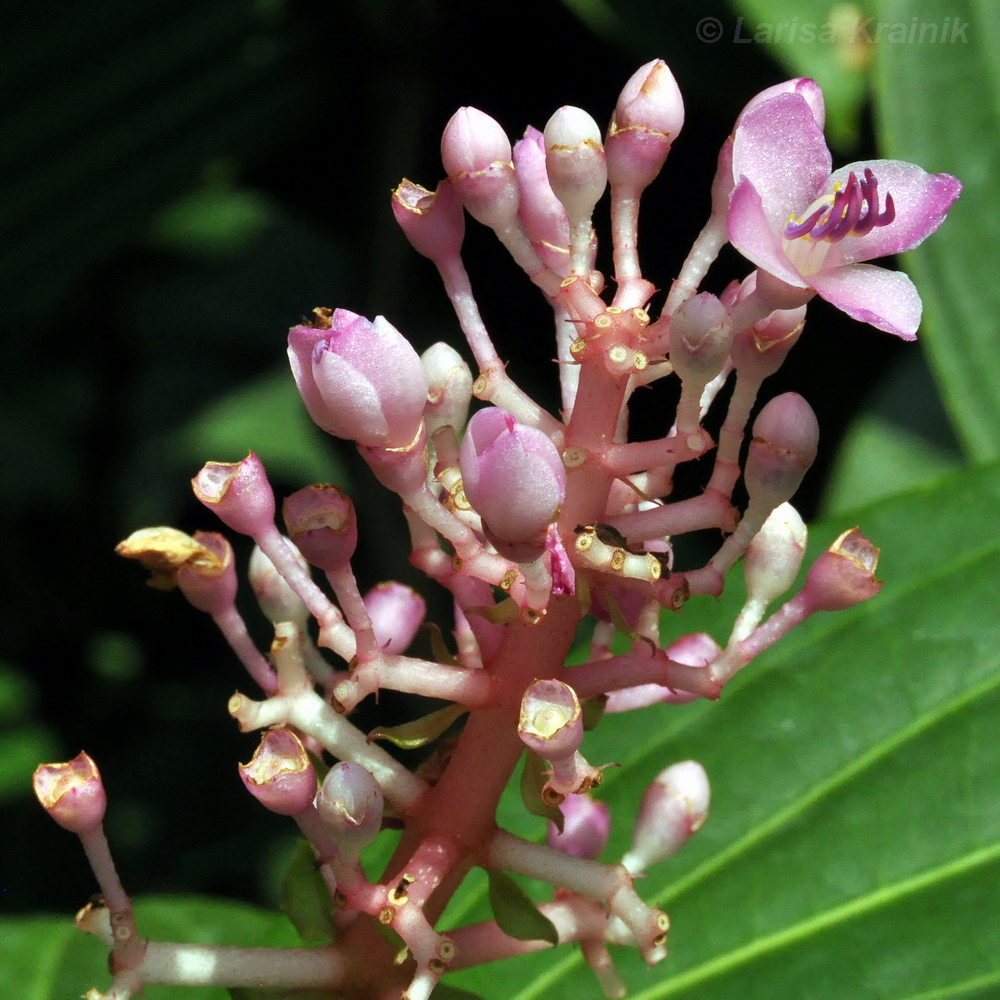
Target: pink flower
[(814, 229)]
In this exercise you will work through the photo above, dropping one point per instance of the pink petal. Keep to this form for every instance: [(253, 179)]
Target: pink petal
[(887, 300), (751, 233), (922, 200), (808, 88), (780, 148)]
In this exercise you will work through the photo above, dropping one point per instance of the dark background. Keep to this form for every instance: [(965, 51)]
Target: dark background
[(177, 189)]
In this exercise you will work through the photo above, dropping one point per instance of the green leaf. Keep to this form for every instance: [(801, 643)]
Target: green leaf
[(419, 732), (47, 958), (445, 992), (305, 899), (877, 459), (939, 106), (265, 416), (853, 847), (531, 785), (818, 38), (515, 913)]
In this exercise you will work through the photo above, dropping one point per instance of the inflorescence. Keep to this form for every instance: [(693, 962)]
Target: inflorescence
[(531, 522)]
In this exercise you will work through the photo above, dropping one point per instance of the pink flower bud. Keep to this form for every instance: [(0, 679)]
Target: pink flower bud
[(276, 599), (586, 826), (785, 439), (761, 349), (280, 774), (575, 162), (361, 381), (774, 556), (844, 575), (674, 807), (696, 650), (320, 520), (551, 721), (647, 119), (514, 477), (350, 803), (72, 793), (433, 221), (239, 493), (541, 213), (449, 387), (210, 586), (396, 612), (477, 158), (701, 334)]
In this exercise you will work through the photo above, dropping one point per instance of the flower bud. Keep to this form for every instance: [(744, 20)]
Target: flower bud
[(774, 556), (433, 221), (785, 439), (210, 586), (239, 493), (541, 213), (320, 520), (551, 721), (476, 154), (844, 575), (276, 599), (696, 650), (449, 387), (72, 793), (674, 807), (280, 774), (360, 380), (350, 803), (575, 162), (647, 119), (396, 613), (701, 333), (586, 826), (514, 477)]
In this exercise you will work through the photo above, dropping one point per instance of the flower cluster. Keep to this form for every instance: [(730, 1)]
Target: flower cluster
[(530, 522)]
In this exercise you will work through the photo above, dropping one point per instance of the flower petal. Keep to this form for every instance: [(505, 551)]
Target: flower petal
[(887, 300), (803, 85), (780, 148), (921, 199), (751, 233)]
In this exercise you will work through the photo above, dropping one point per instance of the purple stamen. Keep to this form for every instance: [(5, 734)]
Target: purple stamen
[(832, 217), (843, 215), (889, 214), (852, 214), (796, 229)]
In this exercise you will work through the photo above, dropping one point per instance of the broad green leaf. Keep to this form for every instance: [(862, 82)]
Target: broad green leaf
[(853, 847), (827, 40), (938, 105), (265, 416), (877, 459), (305, 899), (516, 914), (47, 958), (445, 992)]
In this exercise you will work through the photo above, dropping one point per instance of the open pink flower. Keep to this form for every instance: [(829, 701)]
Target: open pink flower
[(811, 228)]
